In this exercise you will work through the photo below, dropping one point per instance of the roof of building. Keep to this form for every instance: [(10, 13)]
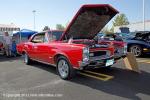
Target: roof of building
[(8, 26)]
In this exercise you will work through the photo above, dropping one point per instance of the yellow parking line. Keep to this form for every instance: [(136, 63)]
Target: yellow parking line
[(148, 62), (104, 75), (95, 77), (144, 61), (107, 77)]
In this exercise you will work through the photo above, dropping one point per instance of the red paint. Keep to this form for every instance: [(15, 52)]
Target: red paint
[(46, 52), (1, 45)]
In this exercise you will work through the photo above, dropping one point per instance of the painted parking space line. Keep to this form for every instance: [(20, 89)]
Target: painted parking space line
[(98, 76), (143, 60)]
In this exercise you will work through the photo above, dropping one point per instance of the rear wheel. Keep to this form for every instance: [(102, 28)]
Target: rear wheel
[(64, 68), (136, 50), (27, 60)]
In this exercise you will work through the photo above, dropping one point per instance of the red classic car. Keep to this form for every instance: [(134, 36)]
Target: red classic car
[(1, 45), (75, 48), (1, 48)]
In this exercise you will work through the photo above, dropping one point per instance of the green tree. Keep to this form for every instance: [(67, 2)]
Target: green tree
[(106, 30), (46, 28), (60, 27), (120, 20)]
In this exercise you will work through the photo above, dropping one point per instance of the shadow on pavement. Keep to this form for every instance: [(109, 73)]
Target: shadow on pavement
[(125, 83), (45, 67), (145, 56), (10, 59)]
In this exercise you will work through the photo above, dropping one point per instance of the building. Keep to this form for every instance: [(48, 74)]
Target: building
[(10, 28), (138, 26)]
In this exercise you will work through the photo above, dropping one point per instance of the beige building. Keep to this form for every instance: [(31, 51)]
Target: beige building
[(138, 26), (10, 28)]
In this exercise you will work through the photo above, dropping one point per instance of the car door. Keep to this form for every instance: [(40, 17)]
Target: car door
[(37, 41), (42, 48), (49, 46)]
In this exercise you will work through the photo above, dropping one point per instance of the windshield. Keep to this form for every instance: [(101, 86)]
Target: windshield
[(55, 35), (127, 36)]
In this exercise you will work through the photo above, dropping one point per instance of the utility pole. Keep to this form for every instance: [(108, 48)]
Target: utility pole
[(34, 26), (143, 15)]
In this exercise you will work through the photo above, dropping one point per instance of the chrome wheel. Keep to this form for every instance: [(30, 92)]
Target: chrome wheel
[(63, 68), (26, 58), (136, 50)]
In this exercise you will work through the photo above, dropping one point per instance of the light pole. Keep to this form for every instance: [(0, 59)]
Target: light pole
[(143, 15), (34, 11)]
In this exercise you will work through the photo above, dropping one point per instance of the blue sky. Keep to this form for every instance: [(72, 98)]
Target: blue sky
[(52, 12)]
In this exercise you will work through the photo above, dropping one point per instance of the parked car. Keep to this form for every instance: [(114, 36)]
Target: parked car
[(126, 35), (76, 48), (1, 48), (139, 44), (120, 47)]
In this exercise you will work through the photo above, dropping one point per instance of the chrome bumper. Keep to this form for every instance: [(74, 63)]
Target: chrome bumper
[(95, 61)]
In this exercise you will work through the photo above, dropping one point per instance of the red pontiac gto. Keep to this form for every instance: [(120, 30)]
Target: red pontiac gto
[(74, 48), (1, 48)]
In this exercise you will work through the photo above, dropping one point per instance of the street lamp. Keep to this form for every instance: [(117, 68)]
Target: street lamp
[(143, 15), (34, 11)]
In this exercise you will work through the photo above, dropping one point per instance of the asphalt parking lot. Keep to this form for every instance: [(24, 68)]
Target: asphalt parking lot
[(41, 82)]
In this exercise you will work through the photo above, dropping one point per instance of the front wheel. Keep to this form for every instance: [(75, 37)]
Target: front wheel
[(64, 68), (136, 50), (27, 60)]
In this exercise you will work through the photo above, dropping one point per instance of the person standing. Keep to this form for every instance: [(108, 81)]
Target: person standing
[(13, 48), (7, 44)]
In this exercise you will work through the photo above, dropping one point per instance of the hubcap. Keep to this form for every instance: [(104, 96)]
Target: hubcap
[(63, 68), (136, 50), (25, 58)]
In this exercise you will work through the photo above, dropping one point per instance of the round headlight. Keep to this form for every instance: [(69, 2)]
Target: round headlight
[(108, 53), (125, 48), (85, 54)]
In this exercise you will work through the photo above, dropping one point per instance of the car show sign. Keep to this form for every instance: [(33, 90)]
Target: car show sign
[(131, 63)]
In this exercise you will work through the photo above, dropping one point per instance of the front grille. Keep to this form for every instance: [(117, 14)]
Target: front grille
[(97, 53), (119, 50), (117, 45)]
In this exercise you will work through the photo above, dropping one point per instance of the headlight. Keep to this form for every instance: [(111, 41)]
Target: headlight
[(85, 54), (125, 48), (108, 53)]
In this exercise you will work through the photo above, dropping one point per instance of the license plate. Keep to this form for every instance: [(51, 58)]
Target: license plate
[(110, 62)]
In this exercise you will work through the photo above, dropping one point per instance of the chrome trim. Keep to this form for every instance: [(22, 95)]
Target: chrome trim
[(100, 58), (97, 50), (121, 52), (43, 62)]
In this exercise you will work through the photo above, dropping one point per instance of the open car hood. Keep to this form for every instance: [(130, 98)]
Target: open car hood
[(89, 21)]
